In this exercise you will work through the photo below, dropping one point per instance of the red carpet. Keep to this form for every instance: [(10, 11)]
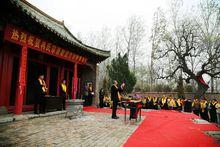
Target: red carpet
[(167, 129)]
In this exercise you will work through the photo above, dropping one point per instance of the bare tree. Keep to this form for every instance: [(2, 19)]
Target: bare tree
[(181, 43), (141, 75), (134, 34), (119, 42), (159, 24), (210, 30)]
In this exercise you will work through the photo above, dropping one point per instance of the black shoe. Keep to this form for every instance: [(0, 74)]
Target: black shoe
[(42, 112), (116, 117)]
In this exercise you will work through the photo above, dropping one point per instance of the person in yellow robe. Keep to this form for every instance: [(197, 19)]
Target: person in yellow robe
[(40, 90), (63, 93), (163, 102), (179, 104), (196, 106), (172, 104), (107, 102)]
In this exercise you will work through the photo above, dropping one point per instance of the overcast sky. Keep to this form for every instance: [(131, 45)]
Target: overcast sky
[(91, 15), (86, 16)]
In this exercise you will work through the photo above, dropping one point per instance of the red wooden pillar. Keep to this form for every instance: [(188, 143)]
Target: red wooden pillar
[(21, 85), (75, 81)]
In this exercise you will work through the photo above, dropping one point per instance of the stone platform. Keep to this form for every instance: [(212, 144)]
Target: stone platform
[(92, 129)]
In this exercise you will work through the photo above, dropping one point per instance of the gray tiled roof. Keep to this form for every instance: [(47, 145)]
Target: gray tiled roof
[(56, 27)]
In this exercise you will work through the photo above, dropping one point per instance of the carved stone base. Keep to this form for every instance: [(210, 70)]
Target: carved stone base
[(3, 110), (74, 108)]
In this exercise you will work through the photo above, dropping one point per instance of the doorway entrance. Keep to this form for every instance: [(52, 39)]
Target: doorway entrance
[(68, 76), (14, 80), (53, 81), (34, 70)]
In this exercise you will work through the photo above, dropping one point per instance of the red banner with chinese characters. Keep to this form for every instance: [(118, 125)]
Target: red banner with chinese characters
[(21, 37)]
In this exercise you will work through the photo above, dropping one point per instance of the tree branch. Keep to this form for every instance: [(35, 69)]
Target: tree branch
[(170, 75)]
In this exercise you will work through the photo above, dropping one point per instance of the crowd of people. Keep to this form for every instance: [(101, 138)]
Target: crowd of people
[(206, 109)]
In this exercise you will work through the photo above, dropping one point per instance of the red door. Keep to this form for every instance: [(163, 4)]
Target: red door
[(6, 77)]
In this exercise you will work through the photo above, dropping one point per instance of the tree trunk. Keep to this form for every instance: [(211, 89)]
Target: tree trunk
[(134, 65), (201, 90), (212, 84), (180, 89)]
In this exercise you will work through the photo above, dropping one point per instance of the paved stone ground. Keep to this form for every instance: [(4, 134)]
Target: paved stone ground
[(93, 129)]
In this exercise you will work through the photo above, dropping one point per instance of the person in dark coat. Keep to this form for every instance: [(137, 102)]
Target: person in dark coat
[(40, 92), (115, 91), (188, 105), (90, 94), (165, 106), (212, 111), (150, 103), (85, 96), (204, 109), (63, 93), (101, 97)]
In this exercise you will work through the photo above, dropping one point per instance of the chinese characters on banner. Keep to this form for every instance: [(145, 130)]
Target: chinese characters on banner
[(21, 37)]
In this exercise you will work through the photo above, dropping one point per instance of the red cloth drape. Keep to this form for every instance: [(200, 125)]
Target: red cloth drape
[(201, 80)]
